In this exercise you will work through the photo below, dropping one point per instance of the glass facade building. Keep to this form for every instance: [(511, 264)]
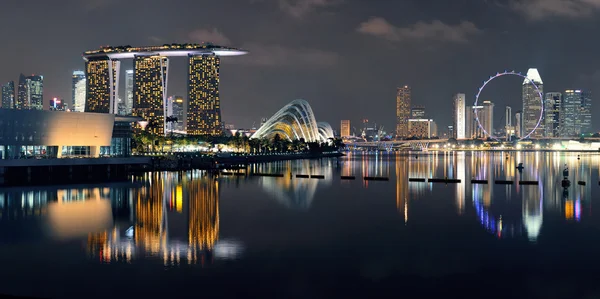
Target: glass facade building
[(576, 116), (204, 104), (128, 92), (8, 95), (78, 76), (552, 107), (532, 104)]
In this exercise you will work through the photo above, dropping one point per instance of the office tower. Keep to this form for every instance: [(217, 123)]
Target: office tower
[(8, 95), (79, 104), (575, 116), (470, 123), (22, 102), (35, 88), (433, 129), (78, 76), (128, 92), (403, 99), (532, 104), (478, 114), (585, 113), (150, 91), (486, 119), (176, 108), (345, 128), (102, 79), (518, 124), (204, 105), (552, 115), (417, 112), (459, 115), (509, 130), (420, 128)]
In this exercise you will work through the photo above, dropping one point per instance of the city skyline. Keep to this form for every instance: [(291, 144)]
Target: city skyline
[(280, 68)]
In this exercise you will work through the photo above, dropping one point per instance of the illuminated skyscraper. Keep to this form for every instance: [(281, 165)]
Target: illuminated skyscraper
[(8, 95), (345, 128), (518, 124), (576, 117), (552, 114), (78, 76), (79, 105), (22, 102), (128, 92), (176, 108), (35, 89), (150, 91), (532, 104), (204, 105), (459, 116), (403, 99), (486, 117), (102, 78)]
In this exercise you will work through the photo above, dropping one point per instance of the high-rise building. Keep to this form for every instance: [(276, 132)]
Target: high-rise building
[(459, 115), (128, 92), (420, 128), (486, 119), (204, 104), (403, 100), (78, 76), (35, 88), (176, 108), (575, 117), (519, 124), (22, 102), (345, 128), (470, 122), (102, 79), (478, 113), (532, 104), (79, 104), (150, 91), (509, 130), (417, 112), (8, 95), (586, 112), (552, 115)]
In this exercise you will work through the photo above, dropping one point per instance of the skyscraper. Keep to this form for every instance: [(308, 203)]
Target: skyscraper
[(204, 104), (128, 91), (176, 108), (35, 88), (576, 115), (102, 79), (79, 104), (403, 99), (508, 128), (345, 128), (552, 115), (486, 118), (469, 122), (8, 95), (532, 104), (78, 76), (150, 91), (459, 115), (519, 124), (22, 102), (417, 112)]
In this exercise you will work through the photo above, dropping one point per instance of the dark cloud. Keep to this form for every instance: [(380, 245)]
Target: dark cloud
[(541, 9), (435, 30)]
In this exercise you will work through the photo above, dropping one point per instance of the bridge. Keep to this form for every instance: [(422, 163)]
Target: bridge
[(389, 145)]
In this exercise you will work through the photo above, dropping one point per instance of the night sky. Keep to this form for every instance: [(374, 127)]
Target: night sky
[(346, 57)]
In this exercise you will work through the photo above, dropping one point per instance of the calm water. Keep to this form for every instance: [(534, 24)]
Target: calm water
[(190, 234)]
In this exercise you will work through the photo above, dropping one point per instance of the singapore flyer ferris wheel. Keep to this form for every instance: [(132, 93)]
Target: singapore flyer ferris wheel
[(526, 79)]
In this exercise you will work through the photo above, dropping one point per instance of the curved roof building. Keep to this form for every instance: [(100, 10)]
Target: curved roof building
[(295, 120)]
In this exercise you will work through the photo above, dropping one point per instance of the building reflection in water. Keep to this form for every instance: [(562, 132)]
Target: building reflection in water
[(172, 217), (292, 192)]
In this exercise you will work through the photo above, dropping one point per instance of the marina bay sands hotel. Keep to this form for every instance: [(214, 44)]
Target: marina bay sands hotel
[(151, 70)]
